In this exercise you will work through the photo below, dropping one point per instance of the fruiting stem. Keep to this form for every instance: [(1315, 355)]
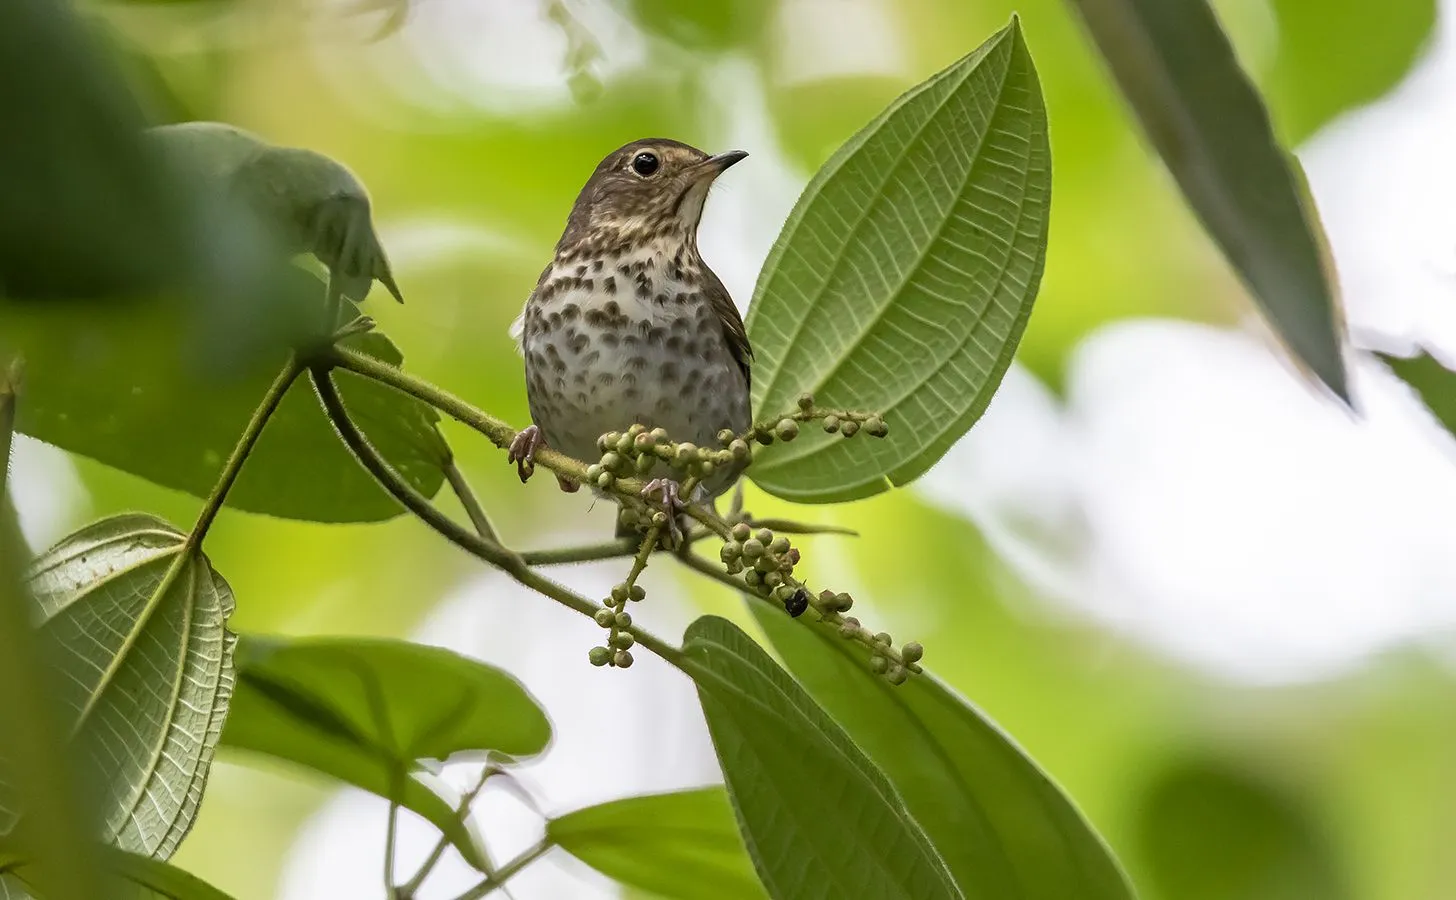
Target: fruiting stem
[(504, 873)]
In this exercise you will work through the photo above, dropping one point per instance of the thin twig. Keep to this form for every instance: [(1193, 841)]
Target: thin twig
[(467, 497), (585, 553), (462, 812), (497, 555), (502, 875)]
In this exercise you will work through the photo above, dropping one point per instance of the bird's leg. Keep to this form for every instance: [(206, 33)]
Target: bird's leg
[(672, 504), (523, 449)]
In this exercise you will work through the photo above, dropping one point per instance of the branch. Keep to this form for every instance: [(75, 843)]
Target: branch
[(467, 497), (489, 884), (497, 555)]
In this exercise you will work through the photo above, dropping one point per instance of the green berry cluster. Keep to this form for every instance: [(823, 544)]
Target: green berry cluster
[(834, 421), (637, 450), (767, 562), (894, 666), (614, 617)]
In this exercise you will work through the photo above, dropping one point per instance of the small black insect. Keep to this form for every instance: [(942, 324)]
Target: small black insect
[(796, 604)]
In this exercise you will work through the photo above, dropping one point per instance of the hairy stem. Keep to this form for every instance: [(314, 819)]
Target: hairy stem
[(497, 555), (234, 465), (585, 553), (462, 812)]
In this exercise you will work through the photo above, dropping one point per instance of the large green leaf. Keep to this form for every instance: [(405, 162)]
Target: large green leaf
[(365, 710), (905, 275), (150, 879), (678, 846), (1435, 383), (1000, 823), (124, 386), (136, 619), (820, 820), (1178, 71)]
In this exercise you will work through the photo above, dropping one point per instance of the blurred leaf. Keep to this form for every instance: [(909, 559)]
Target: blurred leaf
[(679, 846), (1178, 71), (136, 620), (150, 878), (818, 817), (1434, 382), (84, 211), (905, 275), (706, 26), (1207, 831), (1000, 823), (308, 202), (1335, 55), (365, 710), (37, 769), (121, 386)]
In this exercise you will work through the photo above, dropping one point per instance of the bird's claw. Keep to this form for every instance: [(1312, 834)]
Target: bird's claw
[(667, 493), (523, 449)]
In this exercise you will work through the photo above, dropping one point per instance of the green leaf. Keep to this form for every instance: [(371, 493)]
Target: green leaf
[(1178, 71), (819, 819), (678, 846), (365, 710), (125, 386), (1208, 830), (308, 202), (84, 211), (136, 621), (38, 772), (1435, 383), (999, 822), (151, 879), (905, 275)]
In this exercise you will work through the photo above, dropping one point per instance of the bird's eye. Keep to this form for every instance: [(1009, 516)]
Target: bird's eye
[(644, 164)]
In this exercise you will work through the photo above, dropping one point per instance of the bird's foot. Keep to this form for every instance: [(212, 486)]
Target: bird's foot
[(667, 493), (523, 449)]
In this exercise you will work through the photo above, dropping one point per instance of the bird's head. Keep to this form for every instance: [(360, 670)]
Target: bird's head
[(647, 190)]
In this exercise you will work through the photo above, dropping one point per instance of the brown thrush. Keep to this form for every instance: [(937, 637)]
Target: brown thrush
[(628, 325)]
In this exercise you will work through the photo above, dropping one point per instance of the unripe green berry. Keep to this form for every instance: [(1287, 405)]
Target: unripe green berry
[(831, 424), (843, 602), (884, 638), (594, 471), (705, 468), (783, 592), (787, 429), (624, 443), (735, 566), (766, 563), (740, 448), (599, 656), (912, 652), (644, 463), (850, 428), (622, 659), (611, 461), (623, 639), (609, 440), (628, 516), (897, 675), (876, 427), (779, 545), (742, 532), (826, 599), (752, 548), (879, 665), (751, 578), (623, 620), (659, 435), (638, 592), (730, 551), (765, 536), (772, 579), (849, 627), (806, 402), (605, 618), (606, 480), (619, 592), (636, 429), (643, 441), (725, 436)]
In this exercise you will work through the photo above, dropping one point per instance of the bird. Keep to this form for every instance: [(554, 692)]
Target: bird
[(628, 324)]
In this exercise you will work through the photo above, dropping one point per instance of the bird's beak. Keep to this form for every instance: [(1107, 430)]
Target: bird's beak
[(720, 163)]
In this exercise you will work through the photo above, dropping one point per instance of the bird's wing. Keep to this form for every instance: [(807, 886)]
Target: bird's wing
[(732, 322)]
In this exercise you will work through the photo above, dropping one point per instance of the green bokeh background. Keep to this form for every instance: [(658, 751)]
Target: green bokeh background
[(1206, 791)]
